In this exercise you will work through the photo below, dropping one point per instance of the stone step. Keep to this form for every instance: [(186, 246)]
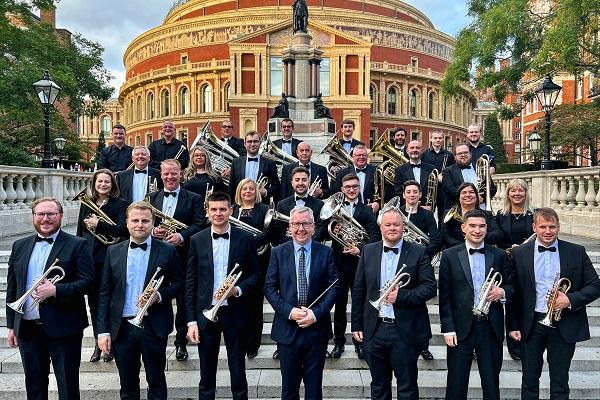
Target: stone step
[(266, 384)]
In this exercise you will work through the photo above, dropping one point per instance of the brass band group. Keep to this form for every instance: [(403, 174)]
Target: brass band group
[(231, 222)]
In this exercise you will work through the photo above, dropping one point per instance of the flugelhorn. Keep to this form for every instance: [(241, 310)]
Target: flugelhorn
[(560, 285), (313, 186), (483, 304), (396, 281), (89, 203), (482, 170), (147, 298), (169, 224), (18, 305), (222, 293)]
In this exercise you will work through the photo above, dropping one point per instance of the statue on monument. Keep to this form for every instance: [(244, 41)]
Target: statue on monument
[(281, 110), (300, 16), (320, 110)]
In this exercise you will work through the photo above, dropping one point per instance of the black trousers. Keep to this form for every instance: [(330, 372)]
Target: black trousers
[(302, 360), (385, 352), (208, 349), (488, 348), (256, 301), (131, 343), (340, 317), (180, 316), (37, 350), (559, 356), (93, 296)]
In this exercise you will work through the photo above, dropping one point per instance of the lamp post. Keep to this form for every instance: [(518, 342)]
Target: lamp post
[(47, 91), (534, 140), (547, 94), (60, 142)]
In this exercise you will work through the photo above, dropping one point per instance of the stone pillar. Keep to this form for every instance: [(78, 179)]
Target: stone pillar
[(284, 83)]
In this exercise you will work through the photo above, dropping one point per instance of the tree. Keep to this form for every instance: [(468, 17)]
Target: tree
[(101, 145), (493, 137), (27, 48), (559, 35)]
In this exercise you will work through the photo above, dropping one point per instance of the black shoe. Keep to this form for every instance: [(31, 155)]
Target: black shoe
[(514, 356), (96, 354), (359, 352), (337, 351), (276, 355), (108, 357), (252, 353), (181, 353), (474, 355), (426, 354)]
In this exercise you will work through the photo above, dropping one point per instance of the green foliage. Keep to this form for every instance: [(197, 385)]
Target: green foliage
[(576, 125), (10, 155), (493, 137), (511, 168), (101, 144)]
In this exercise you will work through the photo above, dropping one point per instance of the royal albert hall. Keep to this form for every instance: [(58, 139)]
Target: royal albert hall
[(210, 60)]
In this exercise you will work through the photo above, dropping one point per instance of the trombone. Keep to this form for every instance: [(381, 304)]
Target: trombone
[(222, 293), (482, 170), (18, 305), (432, 188), (148, 295), (89, 203), (390, 286)]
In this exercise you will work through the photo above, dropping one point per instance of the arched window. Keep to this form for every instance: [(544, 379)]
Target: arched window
[(106, 125), (131, 111), (226, 95), (184, 100), (392, 101), (206, 99), (445, 110), (413, 103), (373, 96), (139, 109), (431, 105), (150, 111), (165, 108)]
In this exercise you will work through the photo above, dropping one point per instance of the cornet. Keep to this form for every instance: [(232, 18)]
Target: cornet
[(390, 286), (313, 187), (147, 298), (222, 293), (18, 305), (483, 304), (560, 285)]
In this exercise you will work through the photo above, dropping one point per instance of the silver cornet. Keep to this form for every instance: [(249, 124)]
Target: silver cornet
[(262, 182), (313, 186), (483, 305), (148, 295), (390, 286), (222, 293), (18, 305)]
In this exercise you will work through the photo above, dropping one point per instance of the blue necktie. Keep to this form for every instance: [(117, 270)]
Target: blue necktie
[(302, 282)]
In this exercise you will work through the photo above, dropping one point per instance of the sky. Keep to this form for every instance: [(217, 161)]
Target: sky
[(115, 23)]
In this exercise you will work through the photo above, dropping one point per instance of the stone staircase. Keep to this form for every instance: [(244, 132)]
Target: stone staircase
[(345, 378)]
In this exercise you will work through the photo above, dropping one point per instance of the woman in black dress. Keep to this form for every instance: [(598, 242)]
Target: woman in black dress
[(101, 233), (199, 176)]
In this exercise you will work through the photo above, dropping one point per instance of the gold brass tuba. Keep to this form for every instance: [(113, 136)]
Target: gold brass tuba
[(89, 203), (148, 296), (343, 228), (432, 188), (18, 305), (483, 305), (220, 153), (222, 293), (560, 285), (337, 156), (169, 224), (396, 281), (482, 170), (269, 151)]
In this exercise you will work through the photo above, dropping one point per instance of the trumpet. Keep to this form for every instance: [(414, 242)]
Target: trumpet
[(169, 224), (483, 305), (396, 281), (482, 170), (453, 213), (432, 188), (18, 304), (560, 285), (343, 228), (313, 186), (222, 293), (147, 299), (89, 203)]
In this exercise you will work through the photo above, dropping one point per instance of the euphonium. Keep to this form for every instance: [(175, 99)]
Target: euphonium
[(343, 228), (220, 153), (560, 285), (483, 305), (432, 188), (169, 224), (389, 287), (20, 302), (89, 203), (268, 150), (453, 213), (337, 156), (482, 170), (147, 298), (222, 293), (395, 203)]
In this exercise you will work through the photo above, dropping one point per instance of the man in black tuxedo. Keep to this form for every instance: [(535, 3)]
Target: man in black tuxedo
[(253, 166), (347, 140), (462, 171), (213, 254), (234, 142), (365, 173), (299, 272), (463, 271), (288, 143), (188, 208), (347, 261), (117, 156), (128, 268), (134, 184), (441, 159), (398, 136), (537, 264), (414, 170), (478, 148), (53, 330), (394, 335), (315, 171), (168, 147)]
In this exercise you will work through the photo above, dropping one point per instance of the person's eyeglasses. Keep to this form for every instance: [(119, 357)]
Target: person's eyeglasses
[(297, 225), (50, 215), (227, 126), (466, 153), (351, 187), (286, 127)]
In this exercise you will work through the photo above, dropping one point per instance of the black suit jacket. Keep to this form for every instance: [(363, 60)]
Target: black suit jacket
[(295, 143), (405, 173), (369, 182), (452, 179), (237, 144), (504, 222), (266, 167), (282, 293), (316, 170), (425, 221), (160, 150), (456, 290), (189, 210), (452, 234), (200, 275), (64, 314), (111, 299), (575, 265), (410, 308), (125, 182)]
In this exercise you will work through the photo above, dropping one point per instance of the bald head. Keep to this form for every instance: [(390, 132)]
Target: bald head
[(304, 152), (414, 151)]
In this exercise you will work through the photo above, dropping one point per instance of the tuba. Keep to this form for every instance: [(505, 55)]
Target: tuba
[(147, 296), (220, 153), (269, 151), (222, 292), (337, 156), (89, 203), (342, 228), (383, 148), (169, 224), (18, 305), (432, 188), (560, 285), (396, 281), (482, 170), (483, 305)]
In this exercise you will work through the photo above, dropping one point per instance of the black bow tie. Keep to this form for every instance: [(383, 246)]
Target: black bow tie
[(253, 159), (216, 235), (286, 141), (143, 246), (542, 249), (225, 139), (140, 171), (301, 198), (479, 250), (392, 249), (167, 194), (415, 165), (363, 170), (468, 166), (347, 142), (43, 239), (346, 203)]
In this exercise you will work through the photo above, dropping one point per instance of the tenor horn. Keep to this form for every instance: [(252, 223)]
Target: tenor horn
[(89, 203)]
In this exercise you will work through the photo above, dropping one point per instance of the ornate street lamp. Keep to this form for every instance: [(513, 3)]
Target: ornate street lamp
[(60, 142), (47, 91), (547, 94), (534, 140)]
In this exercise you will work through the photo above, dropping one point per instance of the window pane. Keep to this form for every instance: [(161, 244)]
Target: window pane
[(324, 77), (276, 76)]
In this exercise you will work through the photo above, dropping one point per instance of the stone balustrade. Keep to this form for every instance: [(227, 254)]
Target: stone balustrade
[(574, 193)]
